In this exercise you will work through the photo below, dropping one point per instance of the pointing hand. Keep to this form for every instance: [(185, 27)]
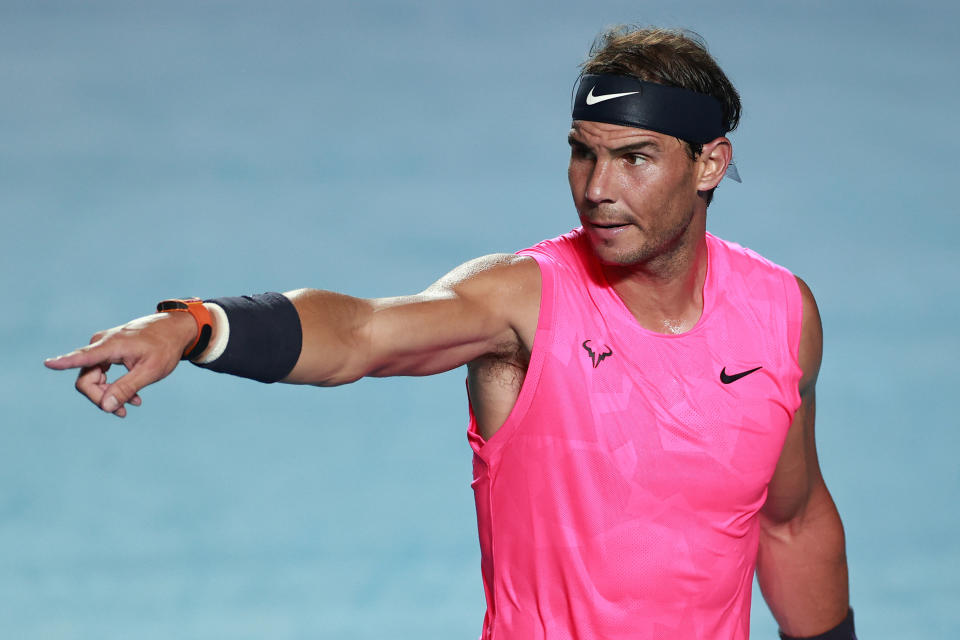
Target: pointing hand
[(149, 347)]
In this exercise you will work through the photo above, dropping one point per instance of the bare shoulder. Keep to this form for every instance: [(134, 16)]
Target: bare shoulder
[(499, 270), (506, 286), (811, 339)]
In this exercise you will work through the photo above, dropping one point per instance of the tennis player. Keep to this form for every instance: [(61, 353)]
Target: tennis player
[(642, 392)]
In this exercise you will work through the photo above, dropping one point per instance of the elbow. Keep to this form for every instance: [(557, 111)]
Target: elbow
[(332, 380), (331, 364), (814, 520), (782, 531), (329, 371)]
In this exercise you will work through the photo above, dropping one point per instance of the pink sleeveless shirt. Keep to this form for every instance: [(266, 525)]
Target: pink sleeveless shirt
[(619, 499)]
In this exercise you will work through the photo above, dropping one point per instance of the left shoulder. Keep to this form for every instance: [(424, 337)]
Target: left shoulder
[(741, 258)]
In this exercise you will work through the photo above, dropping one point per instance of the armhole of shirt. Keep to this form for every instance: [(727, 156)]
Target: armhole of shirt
[(794, 331), (542, 342)]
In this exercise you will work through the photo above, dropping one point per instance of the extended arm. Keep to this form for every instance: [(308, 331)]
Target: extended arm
[(802, 566), (483, 306)]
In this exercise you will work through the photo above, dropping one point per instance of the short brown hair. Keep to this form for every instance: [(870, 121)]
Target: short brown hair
[(673, 57)]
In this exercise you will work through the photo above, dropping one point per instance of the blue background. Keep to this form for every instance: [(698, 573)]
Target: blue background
[(176, 148)]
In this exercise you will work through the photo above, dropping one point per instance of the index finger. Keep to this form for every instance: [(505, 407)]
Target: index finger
[(83, 357)]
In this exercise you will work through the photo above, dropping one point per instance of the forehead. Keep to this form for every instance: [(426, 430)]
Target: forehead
[(614, 135)]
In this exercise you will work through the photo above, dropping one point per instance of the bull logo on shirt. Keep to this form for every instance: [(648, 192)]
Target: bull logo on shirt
[(595, 357)]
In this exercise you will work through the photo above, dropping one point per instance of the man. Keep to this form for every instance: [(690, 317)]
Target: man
[(642, 392)]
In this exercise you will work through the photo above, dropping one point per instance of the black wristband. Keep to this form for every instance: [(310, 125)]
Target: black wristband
[(843, 631), (265, 337)]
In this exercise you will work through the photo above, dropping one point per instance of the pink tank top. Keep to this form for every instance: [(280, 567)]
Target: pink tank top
[(619, 499)]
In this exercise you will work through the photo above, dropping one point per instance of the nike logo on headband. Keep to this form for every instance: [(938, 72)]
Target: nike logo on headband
[(592, 99)]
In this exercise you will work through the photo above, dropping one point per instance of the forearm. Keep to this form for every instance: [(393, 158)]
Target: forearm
[(802, 568)]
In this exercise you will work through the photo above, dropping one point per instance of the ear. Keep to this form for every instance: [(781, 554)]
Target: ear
[(712, 163)]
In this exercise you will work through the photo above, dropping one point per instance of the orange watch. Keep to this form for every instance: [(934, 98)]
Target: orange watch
[(193, 306)]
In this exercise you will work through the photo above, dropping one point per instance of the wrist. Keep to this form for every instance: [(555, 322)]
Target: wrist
[(201, 320), (182, 327)]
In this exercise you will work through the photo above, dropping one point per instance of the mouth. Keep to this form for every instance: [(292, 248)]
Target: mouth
[(606, 232), (608, 225)]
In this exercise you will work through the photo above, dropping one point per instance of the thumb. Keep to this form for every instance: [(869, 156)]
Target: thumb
[(125, 388)]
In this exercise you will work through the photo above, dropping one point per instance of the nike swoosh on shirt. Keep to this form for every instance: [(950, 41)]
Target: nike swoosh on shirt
[(727, 379), (592, 99)]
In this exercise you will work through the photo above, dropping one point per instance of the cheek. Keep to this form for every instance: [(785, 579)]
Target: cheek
[(664, 187), (642, 188), (632, 179)]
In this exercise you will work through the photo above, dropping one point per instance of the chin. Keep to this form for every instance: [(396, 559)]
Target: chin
[(620, 256), (618, 252)]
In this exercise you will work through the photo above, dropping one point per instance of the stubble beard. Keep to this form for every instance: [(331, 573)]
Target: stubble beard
[(660, 251)]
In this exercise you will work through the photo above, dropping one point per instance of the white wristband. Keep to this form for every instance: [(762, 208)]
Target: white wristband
[(217, 344)]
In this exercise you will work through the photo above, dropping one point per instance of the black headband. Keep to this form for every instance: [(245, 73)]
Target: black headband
[(623, 100)]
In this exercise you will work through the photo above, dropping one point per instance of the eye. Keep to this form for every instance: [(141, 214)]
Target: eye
[(636, 159)]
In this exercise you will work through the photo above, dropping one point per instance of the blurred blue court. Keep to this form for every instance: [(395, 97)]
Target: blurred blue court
[(150, 150)]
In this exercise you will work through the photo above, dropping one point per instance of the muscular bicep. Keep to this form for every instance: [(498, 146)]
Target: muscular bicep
[(797, 475), (484, 305)]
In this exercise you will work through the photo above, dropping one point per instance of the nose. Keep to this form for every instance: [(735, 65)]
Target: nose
[(600, 186)]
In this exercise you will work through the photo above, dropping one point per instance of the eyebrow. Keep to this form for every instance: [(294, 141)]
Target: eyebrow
[(629, 148), (636, 146)]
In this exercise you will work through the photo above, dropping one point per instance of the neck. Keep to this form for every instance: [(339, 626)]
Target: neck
[(665, 293)]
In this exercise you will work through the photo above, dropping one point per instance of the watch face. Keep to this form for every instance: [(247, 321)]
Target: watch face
[(177, 304), (172, 305)]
